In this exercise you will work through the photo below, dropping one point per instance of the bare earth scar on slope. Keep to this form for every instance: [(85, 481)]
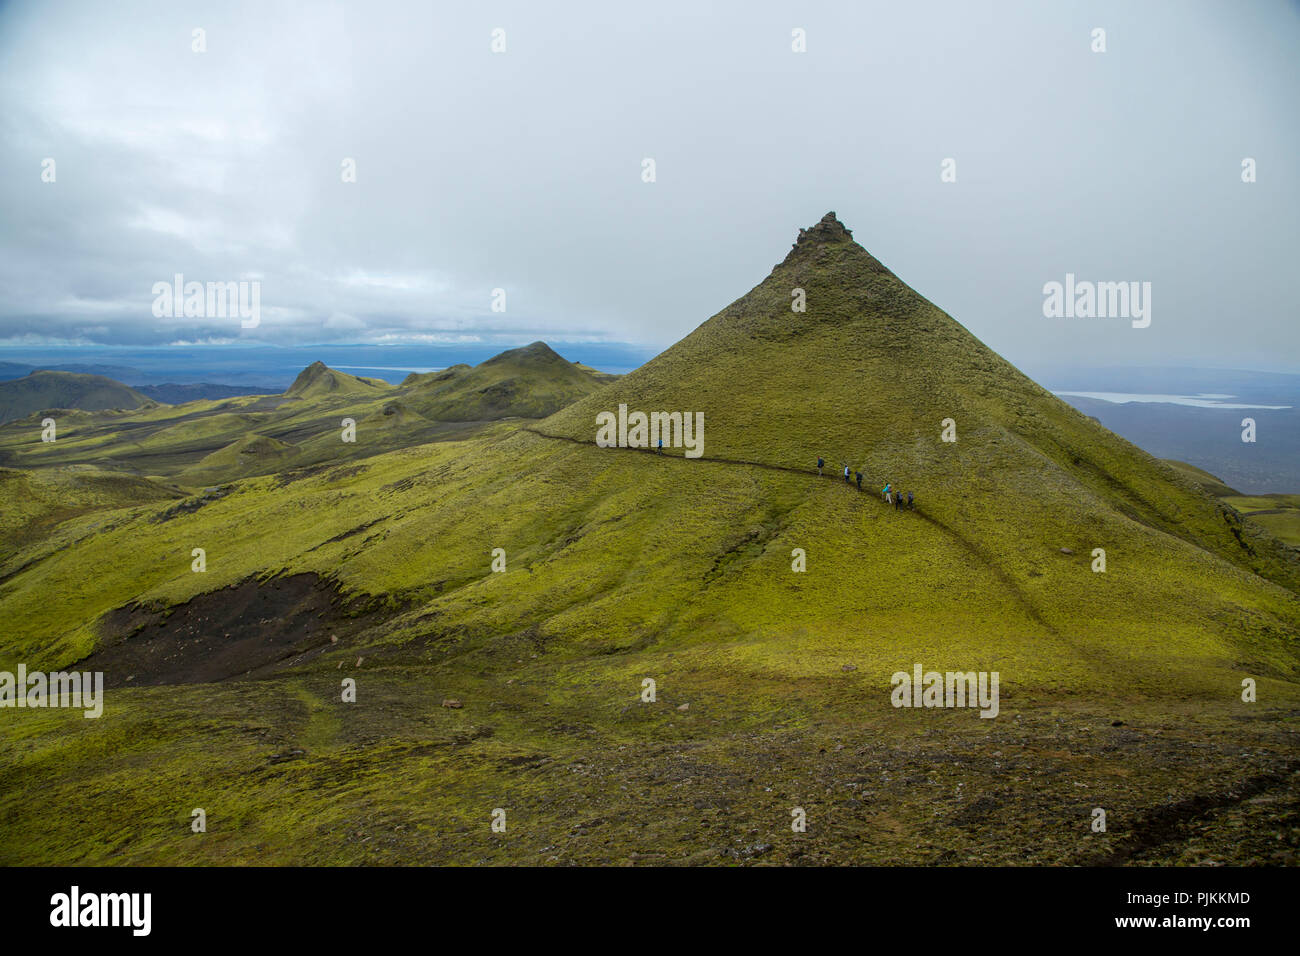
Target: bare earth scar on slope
[(245, 630)]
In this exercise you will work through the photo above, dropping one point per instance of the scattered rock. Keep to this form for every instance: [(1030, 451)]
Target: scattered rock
[(1067, 551), (683, 707), (452, 703), (1117, 723), (849, 667)]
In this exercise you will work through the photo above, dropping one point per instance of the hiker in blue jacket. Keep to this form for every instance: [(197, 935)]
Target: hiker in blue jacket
[(820, 462), (910, 505), (885, 493)]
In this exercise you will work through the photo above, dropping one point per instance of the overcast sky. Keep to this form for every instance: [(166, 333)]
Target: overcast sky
[(522, 170)]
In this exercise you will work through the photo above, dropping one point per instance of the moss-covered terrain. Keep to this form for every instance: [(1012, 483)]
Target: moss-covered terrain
[(522, 689), (324, 417)]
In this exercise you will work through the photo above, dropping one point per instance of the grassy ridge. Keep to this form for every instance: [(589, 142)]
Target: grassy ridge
[(208, 442)]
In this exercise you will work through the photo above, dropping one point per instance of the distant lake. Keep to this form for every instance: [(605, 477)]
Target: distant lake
[(1203, 400), (1195, 415)]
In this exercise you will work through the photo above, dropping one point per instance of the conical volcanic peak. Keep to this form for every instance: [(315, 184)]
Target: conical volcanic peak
[(538, 353), (307, 377), (319, 379), (834, 356)]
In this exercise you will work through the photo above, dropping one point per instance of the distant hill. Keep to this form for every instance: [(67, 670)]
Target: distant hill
[(10, 370), (221, 433), (529, 382), (318, 380), (173, 394), (42, 391)]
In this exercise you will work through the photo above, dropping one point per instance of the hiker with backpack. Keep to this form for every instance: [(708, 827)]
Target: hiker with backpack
[(820, 462), (846, 474), (910, 505), (885, 493), (898, 501), (859, 474)]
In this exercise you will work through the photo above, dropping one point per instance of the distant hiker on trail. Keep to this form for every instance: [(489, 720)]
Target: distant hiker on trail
[(885, 492), (846, 474), (661, 447), (859, 474), (910, 505), (898, 501), (820, 462)]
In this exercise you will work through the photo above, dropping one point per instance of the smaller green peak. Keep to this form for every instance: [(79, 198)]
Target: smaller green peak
[(535, 352)]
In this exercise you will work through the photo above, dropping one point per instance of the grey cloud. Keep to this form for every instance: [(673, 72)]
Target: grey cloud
[(522, 170)]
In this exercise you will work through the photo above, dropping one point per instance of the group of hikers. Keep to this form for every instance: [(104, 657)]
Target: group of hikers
[(892, 495)]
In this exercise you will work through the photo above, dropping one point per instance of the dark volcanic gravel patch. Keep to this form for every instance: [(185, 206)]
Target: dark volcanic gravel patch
[(239, 631)]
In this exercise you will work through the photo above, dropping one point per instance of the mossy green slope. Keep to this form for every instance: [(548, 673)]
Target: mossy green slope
[(40, 391), (529, 382), (204, 442), (36, 502), (1199, 476), (638, 566)]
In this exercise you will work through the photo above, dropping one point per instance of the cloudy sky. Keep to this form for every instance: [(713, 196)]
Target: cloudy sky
[(522, 170)]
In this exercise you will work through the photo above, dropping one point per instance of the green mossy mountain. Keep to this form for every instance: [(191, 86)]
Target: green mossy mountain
[(1120, 686), (868, 375), (43, 391), (208, 441), (319, 380), (528, 382)]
